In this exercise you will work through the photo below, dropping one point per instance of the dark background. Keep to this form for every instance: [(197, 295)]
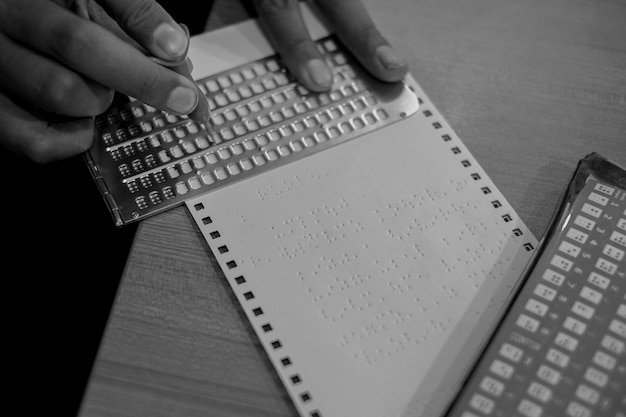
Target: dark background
[(62, 263)]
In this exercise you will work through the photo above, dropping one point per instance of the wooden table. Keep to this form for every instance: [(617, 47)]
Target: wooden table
[(530, 86)]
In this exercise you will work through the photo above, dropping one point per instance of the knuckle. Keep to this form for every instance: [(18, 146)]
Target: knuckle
[(57, 92), (149, 84), (69, 42), (39, 150), (66, 93), (369, 34)]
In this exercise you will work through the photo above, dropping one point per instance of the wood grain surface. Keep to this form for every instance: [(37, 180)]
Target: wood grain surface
[(530, 86)]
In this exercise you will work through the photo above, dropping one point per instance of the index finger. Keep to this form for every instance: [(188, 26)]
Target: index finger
[(289, 36), (352, 23), (95, 52)]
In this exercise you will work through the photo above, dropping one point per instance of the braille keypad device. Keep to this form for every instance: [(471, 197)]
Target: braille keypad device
[(560, 349), (146, 161)]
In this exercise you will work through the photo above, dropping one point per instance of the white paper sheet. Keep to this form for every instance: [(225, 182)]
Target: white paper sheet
[(371, 271)]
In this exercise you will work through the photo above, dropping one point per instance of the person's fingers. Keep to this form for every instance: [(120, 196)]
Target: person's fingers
[(91, 10), (96, 13), (45, 84), (288, 33), (148, 23), (91, 50), (39, 138), (351, 22)]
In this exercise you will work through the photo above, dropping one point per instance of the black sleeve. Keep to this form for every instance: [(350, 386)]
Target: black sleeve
[(62, 263)]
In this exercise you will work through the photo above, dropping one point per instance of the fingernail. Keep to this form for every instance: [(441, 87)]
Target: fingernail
[(388, 58), (319, 73), (171, 40), (182, 100)]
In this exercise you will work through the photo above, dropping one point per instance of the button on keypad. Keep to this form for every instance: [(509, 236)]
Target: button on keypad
[(561, 349)]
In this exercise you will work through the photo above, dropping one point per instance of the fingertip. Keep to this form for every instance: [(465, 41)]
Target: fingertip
[(317, 76), (352, 23), (170, 41), (392, 67), (310, 68), (389, 59), (182, 100)]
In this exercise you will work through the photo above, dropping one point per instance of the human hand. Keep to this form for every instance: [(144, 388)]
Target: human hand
[(349, 20), (60, 69)]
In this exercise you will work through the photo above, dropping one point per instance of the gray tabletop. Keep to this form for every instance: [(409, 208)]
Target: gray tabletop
[(530, 87)]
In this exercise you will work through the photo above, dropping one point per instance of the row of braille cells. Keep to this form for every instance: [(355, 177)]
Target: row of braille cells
[(259, 70), (221, 91), (258, 79), (113, 117), (175, 138), (240, 122), (277, 107), (186, 145), (219, 99), (134, 130), (191, 178)]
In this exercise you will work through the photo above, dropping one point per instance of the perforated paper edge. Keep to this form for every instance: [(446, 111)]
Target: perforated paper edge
[(217, 240)]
